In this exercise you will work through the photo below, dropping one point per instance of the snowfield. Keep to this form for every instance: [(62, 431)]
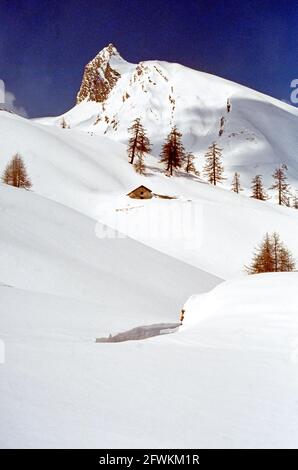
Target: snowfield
[(80, 260), (211, 228), (49, 248), (216, 230), (61, 287), (228, 379)]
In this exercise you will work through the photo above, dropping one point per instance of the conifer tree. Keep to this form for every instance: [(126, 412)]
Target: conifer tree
[(139, 165), (64, 124), (257, 187), (281, 185), (173, 153), (286, 260), (263, 258), (283, 259), (15, 173), (213, 169), (138, 142), (189, 164), (271, 256), (236, 186)]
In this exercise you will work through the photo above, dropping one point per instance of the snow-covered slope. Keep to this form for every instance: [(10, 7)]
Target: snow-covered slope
[(260, 132), (60, 287), (227, 379), (211, 228), (46, 247), (65, 165)]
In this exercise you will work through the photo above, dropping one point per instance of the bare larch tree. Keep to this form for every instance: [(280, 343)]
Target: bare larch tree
[(173, 152), (138, 142), (281, 186), (213, 169), (189, 165), (15, 173), (257, 187), (236, 186), (271, 256)]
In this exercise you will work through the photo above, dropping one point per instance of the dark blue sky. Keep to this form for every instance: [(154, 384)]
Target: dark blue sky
[(44, 45)]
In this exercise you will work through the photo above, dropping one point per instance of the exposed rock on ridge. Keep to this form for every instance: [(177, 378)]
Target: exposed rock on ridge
[(99, 77)]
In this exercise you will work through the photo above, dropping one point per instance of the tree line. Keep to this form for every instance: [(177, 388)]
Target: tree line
[(173, 154), (284, 194), (270, 256), (174, 157)]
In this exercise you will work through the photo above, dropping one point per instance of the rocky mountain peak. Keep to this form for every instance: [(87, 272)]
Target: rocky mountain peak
[(108, 51), (99, 76)]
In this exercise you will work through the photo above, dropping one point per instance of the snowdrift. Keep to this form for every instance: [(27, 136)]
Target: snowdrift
[(228, 379)]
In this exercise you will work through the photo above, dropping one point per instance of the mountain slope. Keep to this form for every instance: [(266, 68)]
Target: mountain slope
[(49, 248), (211, 228), (228, 377), (65, 165), (259, 133)]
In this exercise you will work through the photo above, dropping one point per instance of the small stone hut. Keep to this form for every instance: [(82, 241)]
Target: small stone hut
[(141, 193)]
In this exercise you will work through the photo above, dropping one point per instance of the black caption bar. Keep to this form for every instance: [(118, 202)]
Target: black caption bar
[(136, 459)]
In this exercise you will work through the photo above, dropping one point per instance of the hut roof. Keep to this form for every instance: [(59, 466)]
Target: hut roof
[(140, 187)]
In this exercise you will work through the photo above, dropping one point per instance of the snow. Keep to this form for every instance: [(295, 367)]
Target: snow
[(49, 248), (165, 94), (61, 288), (227, 379), (80, 260), (215, 230), (65, 165), (219, 229)]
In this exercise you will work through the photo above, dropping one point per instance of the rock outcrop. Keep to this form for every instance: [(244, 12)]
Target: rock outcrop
[(99, 77)]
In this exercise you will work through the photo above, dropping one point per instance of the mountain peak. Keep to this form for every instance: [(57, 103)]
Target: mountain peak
[(100, 76), (108, 51)]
